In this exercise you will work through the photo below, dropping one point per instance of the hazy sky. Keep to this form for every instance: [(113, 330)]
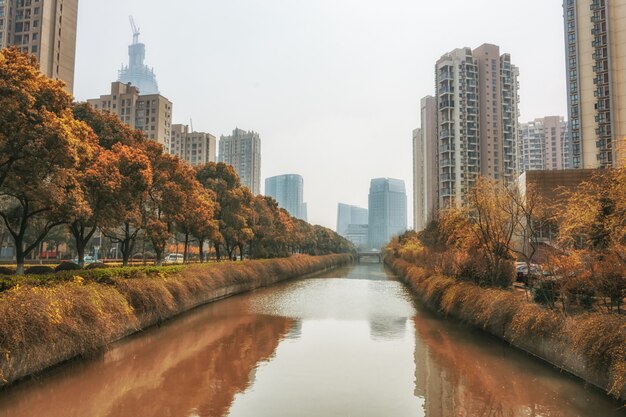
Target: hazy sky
[(332, 86)]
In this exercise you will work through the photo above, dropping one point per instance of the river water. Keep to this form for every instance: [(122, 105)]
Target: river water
[(347, 343)]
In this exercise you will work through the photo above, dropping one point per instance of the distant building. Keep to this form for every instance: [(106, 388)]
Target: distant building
[(46, 29), (151, 113), (595, 49), (358, 235), (542, 144), (137, 72), (387, 211), (288, 191), (425, 199), (197, 148), (347, 215), (242, 150)]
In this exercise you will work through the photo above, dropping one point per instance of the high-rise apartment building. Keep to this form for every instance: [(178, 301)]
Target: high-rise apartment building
[(595, 46), (137, 72), (347, 215), (499, 113), (150, 113), (242, 150), (288, 191), (387, 211), (458, 126), (46, 29), (197, 148), (477, 120), (425, 197), (543, 144)]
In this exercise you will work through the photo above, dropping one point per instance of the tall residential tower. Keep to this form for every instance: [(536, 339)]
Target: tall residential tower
[(595, 47), (46, 29), (242, 150), (477, 120), (425, 199)]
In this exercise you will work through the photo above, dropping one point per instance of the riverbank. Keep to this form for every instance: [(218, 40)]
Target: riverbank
[(44, 325), (591, 346)]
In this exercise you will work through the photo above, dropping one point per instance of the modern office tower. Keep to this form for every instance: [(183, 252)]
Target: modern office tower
[(458, 126), (242, 150), (499, 113), (197, 148), (542, 144), (46, 29), (477, 118), (387, 211), (137, 72), (288, 191), (425, 165), (150, 113), (347, 215), (595, 47)]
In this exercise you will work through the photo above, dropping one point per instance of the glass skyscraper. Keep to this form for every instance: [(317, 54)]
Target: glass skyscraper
[(288, 191), (387, 211)]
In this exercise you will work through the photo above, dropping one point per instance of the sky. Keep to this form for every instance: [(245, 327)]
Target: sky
[(333, 87)]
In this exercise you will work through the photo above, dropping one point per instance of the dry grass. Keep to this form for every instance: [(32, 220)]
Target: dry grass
[(600, 339), (46, 322)]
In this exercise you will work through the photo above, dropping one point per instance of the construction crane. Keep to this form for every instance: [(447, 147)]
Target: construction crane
[(135, 30)]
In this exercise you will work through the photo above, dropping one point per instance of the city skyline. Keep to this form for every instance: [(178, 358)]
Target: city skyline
[(305, 97)]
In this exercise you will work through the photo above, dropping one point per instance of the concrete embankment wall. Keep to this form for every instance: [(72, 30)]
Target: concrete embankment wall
[(545, 334), (42, 326)]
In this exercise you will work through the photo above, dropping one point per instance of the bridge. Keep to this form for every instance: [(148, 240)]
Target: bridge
[(370, 255)]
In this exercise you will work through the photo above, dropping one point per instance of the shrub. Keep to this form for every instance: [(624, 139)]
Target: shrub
[(39, 270), (96, 265), (6, 271), (67, 266), (545, 292)]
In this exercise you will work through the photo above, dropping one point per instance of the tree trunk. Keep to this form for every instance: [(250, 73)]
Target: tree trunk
[(200, 250), (159, 257), (241, 251), (186, 248), (217, 251)]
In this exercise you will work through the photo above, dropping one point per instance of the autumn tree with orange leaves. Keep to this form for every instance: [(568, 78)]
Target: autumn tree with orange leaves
[(42, 150)]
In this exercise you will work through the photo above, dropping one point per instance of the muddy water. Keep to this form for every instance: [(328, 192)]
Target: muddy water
[(349, 343)]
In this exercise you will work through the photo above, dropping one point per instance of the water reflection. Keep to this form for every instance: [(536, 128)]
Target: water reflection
[(350, 343), (461, 372), (194, 366)]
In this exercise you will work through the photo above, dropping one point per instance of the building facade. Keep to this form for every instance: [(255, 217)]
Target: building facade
[(347, 215), (197, 148), (477, 120), (150, 113), (242, 150), (595, 48), (46, 29), (425, 198), (288, 191), (543, 145), (387, 211)]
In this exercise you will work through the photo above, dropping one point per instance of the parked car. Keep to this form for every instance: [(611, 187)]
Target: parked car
[(88, 260), (522, 273), (176, 258)]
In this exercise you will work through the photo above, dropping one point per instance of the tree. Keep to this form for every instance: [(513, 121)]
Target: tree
[(101, 179), (136, 173), (195, 218), (232, 206), (495, 218), (41, 149)]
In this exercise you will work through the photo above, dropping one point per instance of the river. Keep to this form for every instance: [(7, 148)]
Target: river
[(350, 342)]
